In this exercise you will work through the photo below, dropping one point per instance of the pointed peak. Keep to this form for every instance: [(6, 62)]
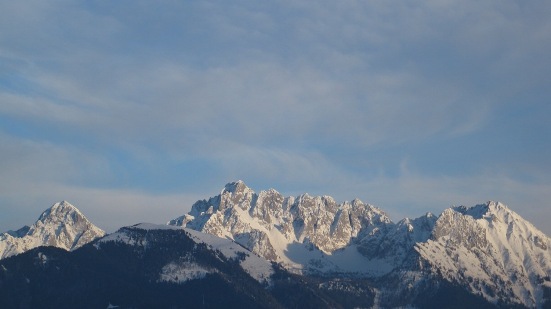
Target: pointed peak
[(481, 210), (235, 187), (428, 215), (20, 232), (270, 191), (404, 221), (493, 205), (357, 201), (62, 207), (328, 198), (427, 218)]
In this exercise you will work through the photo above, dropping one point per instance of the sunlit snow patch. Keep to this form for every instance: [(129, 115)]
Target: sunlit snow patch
[(258, 268), (182, 272)]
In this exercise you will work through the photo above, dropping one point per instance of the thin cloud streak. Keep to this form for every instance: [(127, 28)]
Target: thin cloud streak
[(281, 104), (162, 100)]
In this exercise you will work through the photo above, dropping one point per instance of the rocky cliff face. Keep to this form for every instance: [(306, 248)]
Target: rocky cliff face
[(397, 241), (487, 250), (491, 250), (61, 225), (308, 232), (483, 256), (267, 223)]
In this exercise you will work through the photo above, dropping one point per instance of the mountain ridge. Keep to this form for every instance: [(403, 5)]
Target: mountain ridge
[(487, 248), (156, 266), (486, 254), (62, 225), (262, 221)]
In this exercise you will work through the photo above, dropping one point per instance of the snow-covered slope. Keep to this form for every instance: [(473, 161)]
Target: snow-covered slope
[(306, 233), (61, 225), (487, 250), (267, 223), (397, 241), (182, 270), (147, 266), (491, 250)]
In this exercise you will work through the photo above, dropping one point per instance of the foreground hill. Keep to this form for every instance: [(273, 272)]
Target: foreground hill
[(154, 266)]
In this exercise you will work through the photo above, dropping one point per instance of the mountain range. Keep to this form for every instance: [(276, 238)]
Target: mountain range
[(283, 251)]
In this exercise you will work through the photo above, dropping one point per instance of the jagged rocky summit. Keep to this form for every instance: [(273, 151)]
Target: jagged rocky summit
[(61, 225), (488, 249), (492, 251), (484, 256), (308, 233)]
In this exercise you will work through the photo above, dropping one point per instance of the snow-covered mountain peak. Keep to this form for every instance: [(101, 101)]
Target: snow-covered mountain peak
[(489, 247), (236, 187), (62, 225), (270, 191), (488, 209), (61, 212), (420, 227), (235, 193), (63, 217), (269, 224)]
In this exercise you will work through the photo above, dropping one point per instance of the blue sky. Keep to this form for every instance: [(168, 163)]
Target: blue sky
[(133, 110)]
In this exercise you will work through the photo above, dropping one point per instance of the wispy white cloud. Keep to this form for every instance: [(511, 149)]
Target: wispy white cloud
[(314, 97)]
